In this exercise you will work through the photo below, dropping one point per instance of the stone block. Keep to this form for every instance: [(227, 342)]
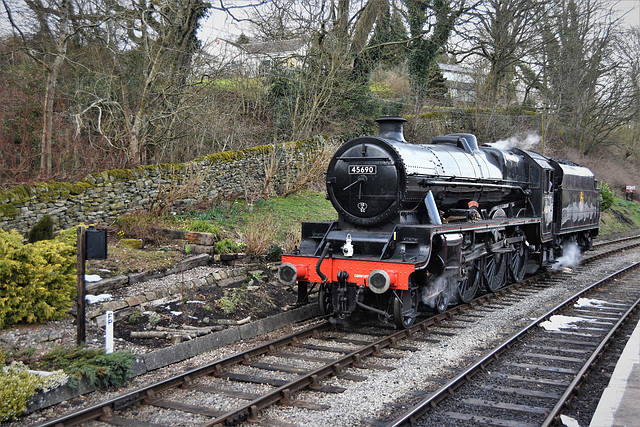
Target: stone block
[(173, 234), (106, 284), (133, 301), (95, 313), (226, 282), (205, 239), (114, 305), (202, 249), (138, 277), (191, 262), (133, 243)]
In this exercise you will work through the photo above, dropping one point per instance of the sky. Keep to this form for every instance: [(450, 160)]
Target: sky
[(219, 25), (631, 8)]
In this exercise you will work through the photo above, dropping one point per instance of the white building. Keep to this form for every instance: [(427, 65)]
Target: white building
[(256, 58), (460, 81)]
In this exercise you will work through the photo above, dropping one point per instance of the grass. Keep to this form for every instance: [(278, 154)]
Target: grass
[(260, 224), (622, 217)]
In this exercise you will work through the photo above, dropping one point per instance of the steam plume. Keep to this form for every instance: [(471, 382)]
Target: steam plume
[(570, 258), (523, 142)]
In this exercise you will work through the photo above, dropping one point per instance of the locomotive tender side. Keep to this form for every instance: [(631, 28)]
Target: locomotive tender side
[(431, 224)]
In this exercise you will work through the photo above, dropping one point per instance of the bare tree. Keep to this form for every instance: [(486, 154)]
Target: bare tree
[(585, 81), (505, 33), (628, 137), (163, 39), (55, 23)]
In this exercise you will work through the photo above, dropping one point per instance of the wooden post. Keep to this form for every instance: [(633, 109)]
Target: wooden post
[(80, 319)]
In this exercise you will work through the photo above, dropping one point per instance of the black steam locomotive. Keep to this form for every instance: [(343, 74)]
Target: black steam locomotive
[(432, 224)]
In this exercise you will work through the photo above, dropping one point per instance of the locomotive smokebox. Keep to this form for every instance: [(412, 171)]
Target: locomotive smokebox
[(391, 128)]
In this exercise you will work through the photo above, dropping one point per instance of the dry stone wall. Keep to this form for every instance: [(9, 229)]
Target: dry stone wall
[(102, 197)]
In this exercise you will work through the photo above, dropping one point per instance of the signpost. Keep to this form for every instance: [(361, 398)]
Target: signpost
[(92, 244), (629, 191)]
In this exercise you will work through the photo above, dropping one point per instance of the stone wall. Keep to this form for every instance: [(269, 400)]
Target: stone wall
[(102, 197)]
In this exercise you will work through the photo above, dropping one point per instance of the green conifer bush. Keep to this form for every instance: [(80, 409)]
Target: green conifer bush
[(37, 280), (43, 230)]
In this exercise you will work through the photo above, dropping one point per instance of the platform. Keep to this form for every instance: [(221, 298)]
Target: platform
[(620, 402)]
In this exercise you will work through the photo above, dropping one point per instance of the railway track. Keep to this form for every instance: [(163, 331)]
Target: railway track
[(529, 378), (299, 372)]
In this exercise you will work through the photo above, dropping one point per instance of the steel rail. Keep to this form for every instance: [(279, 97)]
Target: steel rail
[(120, 402), (282, 393), (552, 418), (614, 241), (419, 409)]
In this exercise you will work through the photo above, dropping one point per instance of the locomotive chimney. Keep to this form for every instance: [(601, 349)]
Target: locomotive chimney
[(391, 128)]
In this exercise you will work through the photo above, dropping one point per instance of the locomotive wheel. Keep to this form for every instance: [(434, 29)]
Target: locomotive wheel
[(324, 300), (518, 261), (405, 317), (495, 271), (470, 282)]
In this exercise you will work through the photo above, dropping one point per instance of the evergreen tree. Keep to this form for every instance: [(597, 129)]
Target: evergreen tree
[(386, 46), (436, 85)]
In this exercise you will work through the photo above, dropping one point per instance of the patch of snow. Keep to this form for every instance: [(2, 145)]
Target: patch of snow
[(587, 302), (92, 299), (556, 323), (568, 421)]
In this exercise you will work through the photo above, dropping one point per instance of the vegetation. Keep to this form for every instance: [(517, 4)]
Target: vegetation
[(607, 196), (17, 385), (256, 227), (94, 366), (38, 279), (147, 91), (621, 217), (43, 230)]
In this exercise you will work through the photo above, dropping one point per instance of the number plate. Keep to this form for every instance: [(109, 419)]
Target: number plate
[(363, 169)]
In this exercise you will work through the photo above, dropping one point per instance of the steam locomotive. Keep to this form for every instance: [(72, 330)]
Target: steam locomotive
[(430, 225)]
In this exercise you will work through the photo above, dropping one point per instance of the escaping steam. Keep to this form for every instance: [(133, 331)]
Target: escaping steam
[(436, 287), (522, 141), (570, 258)]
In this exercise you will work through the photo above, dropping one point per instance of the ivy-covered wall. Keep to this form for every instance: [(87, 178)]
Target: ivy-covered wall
[(102, 197)]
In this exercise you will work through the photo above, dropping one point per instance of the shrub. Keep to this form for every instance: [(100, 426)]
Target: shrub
[(37, 280), (17, 385), (93, 365), (259, 233), (140, 225), (607, 197), (227, 246), (202, 226), (274, 253), (231, 300), (43, 230)]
